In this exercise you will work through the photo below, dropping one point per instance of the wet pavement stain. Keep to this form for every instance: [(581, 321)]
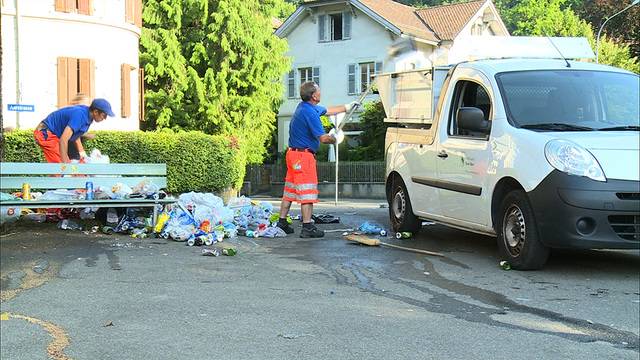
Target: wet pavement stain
[(60, 341), (361, 267)]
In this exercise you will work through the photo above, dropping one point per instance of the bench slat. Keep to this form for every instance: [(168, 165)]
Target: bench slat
[(17, 168), (15, 182), (87, 203)]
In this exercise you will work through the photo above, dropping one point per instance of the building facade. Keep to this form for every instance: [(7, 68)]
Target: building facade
[(340, 44), (54, 50)]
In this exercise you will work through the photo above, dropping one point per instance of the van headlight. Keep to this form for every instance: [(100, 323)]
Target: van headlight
[(573, 159)]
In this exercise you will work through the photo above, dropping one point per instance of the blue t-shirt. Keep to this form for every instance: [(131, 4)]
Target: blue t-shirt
[(305, 127), (76, 117)]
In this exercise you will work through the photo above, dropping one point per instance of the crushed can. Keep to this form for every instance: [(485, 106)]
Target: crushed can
[(229, 251), (403, 235), (504, 265), (26, 191)]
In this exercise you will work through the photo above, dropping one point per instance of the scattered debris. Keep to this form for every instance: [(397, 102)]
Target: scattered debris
[(339, 230), (504, 265), (372, 228), (109, 323)]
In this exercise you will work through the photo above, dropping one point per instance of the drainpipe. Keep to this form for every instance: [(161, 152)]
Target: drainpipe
[(18, 92)]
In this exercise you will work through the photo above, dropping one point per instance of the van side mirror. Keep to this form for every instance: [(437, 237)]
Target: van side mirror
[(472, 119)]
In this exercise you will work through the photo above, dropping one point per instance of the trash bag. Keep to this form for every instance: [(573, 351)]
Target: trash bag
[(9, 214), (96, 157), (325, 219)]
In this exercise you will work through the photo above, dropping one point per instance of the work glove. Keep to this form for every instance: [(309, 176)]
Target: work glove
[(349, 106), (338, 135)]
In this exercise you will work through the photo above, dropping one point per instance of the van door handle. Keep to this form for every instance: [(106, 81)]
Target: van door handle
[(443, 154)]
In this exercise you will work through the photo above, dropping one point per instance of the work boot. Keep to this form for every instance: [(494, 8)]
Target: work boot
[(284, 225), (311, 231)]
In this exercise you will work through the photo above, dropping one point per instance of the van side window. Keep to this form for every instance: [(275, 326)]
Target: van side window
[(469, 94)]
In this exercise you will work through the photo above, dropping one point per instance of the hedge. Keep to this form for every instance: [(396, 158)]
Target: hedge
[(195, 161)]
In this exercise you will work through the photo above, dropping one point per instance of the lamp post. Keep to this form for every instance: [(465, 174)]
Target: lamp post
[(635, 2)]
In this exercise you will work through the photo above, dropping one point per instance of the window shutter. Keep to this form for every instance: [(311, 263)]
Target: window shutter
[(85, 7), (352, 78), (322, 28), (72, 79), (61, 5), (138, 13), (63, 98), (291, 84), (316, 75), (129, 11), (125, 73), (378, 68), (87, 84), (141, 94), (346, 25), (70, 5)]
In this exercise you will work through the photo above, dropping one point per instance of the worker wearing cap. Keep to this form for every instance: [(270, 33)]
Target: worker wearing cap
[(68, 124), (305, 135)]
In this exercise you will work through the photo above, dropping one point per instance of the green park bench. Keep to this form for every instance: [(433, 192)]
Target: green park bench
[(45, 176)]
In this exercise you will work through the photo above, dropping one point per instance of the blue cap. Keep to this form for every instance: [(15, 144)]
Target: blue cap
[(102, 105)]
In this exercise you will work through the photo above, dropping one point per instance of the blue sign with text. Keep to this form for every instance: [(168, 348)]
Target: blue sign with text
[(21, 107)]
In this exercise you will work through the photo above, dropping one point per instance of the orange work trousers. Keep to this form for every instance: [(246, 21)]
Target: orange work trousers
[(50, 145), (301, 182)]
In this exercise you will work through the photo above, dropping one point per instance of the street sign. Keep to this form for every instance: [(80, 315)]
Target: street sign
[(21, 107)]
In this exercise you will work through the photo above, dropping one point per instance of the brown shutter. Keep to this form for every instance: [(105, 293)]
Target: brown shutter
[(61, 5), (141, 94), (129, 12), (85, 7), (86, 77), (70, 5), (63, 98), (125, 71), (138, 13), (72, 79)]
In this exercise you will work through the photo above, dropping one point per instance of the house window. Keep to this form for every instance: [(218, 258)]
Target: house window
[(75, 76), (367, 71), (133, 12), (334, 27), (84, 7), (291, 84), (309, 74)]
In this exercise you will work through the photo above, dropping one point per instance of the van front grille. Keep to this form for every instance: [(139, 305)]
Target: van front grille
[(626, 226)]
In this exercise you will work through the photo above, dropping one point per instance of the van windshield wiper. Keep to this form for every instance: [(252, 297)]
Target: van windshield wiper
[(557, 127), (622, 128)]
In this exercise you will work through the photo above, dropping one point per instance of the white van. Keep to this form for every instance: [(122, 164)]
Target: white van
[(541, 153)]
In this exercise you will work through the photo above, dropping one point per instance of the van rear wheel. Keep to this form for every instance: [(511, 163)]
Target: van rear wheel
[(400, 210), (518, 239)]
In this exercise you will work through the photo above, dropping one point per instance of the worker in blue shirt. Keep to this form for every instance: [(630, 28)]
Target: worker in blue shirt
[(305, 135), (68, 124)]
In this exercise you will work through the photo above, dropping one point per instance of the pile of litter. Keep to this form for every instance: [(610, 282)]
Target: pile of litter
[(203, 219)]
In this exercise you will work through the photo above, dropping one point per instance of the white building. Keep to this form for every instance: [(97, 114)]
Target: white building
[(54, 49), (341, 43)]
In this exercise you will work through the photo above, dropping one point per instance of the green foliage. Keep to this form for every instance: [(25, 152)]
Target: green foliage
[(195, 161), (214, 66), (373, 132), (556, 18)]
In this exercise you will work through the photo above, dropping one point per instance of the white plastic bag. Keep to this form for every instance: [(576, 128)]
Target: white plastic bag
[(97, 157)]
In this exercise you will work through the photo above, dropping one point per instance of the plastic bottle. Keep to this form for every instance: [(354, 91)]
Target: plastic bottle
[(162, 220)]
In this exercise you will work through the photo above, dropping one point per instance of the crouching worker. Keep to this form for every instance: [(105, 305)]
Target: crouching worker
[(305, 135), (69, 124)]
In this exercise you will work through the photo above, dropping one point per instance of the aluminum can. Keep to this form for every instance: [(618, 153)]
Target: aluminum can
[(89, 188), (26, 191), (403, 235)]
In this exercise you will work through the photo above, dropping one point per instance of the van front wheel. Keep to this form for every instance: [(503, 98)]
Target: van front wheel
[(518, 239), (400, 210)]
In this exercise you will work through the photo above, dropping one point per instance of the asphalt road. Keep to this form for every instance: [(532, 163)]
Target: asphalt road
[(69, 295)]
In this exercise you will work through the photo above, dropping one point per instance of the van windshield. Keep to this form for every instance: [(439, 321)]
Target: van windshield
[(571, 100)]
